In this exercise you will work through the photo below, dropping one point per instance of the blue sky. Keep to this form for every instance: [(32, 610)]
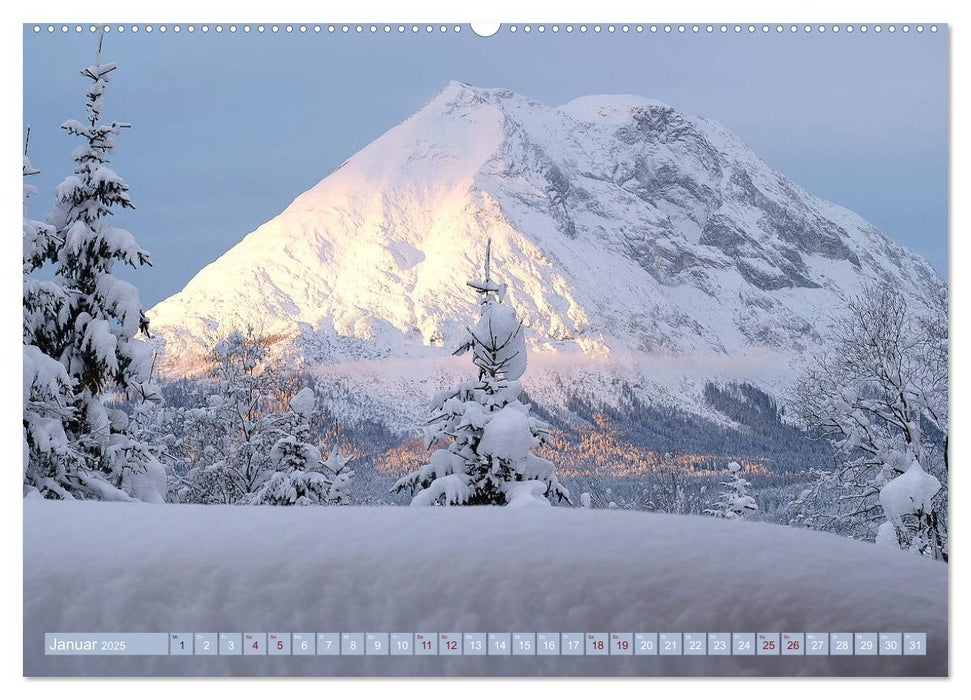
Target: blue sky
[(228, 129)]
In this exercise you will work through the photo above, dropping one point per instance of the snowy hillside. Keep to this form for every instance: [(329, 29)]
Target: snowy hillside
[(234, 569), (627, 231)]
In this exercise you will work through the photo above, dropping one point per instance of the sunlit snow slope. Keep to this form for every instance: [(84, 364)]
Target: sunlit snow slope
[(621, 225)]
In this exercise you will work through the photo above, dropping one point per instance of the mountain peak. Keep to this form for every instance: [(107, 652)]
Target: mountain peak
[(457, 92), (619, 224), (612, 108)]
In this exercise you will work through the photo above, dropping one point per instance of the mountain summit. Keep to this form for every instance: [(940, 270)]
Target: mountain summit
[(619, 224)]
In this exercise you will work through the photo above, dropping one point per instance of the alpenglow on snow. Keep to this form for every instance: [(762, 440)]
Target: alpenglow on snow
[(622, 224)]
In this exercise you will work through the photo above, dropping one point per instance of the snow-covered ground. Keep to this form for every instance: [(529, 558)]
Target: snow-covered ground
[(113, 567)]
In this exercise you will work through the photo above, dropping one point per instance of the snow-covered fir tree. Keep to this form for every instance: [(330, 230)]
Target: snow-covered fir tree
[(48, 397), (301, 476), (880, 398), (294, 451), (735, 502), (87, 319), (488, 430), (337, 466)]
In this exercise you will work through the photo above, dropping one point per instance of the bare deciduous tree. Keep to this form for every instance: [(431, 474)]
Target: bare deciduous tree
[(879, 395)]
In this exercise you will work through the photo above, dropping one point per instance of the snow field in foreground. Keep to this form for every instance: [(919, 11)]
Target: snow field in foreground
[(113, 567)]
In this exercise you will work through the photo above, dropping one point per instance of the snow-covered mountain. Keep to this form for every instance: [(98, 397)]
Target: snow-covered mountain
[(627, 232)]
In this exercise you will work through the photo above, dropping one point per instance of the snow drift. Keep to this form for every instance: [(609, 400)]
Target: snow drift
[(112, 567)]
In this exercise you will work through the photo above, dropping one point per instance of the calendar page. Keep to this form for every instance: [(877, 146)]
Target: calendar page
[(544, 349)]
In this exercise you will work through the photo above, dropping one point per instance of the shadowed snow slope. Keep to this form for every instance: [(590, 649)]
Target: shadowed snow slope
[(100, 567)]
